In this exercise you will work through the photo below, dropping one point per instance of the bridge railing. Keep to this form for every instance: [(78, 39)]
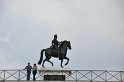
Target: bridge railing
[(75, 75)]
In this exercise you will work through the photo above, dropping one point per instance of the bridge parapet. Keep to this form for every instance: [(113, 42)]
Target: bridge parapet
[(75, 75)]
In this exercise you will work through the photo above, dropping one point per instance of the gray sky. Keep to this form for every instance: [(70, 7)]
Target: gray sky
[(94, 27)]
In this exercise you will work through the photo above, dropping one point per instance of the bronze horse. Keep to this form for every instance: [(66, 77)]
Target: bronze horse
[(49, 52)]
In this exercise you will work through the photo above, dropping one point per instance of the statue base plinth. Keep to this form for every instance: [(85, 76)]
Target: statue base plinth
[(54, 74)]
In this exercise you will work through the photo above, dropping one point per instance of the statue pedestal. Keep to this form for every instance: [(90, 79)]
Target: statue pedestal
[(54, 74)]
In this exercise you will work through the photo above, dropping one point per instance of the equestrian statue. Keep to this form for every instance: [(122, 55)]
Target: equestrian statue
[(57, 50)]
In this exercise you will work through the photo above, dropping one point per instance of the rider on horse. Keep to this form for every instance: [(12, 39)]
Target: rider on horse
[(55, 45)]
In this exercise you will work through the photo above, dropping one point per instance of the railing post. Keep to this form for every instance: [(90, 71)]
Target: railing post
[(121, 76), (4, 75), (76, 74), (105, 76), (19, 76), (91, 76)]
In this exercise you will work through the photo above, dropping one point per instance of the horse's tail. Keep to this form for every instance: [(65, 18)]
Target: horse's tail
[(41, 56)]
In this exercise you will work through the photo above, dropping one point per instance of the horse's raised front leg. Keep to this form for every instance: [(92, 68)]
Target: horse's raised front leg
[(67, 60)]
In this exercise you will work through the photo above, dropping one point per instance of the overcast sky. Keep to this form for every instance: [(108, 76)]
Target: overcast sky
[(95, 29)]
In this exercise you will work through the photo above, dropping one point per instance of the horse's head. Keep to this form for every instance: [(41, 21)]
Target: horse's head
[(67, 43)]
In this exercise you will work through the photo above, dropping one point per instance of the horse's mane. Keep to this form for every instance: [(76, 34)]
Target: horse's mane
[(63, 42)]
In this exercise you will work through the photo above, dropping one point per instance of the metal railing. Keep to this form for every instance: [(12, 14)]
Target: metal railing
[(75, 75)]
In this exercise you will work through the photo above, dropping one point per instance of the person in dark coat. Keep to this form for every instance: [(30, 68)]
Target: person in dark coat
[(28, 68)]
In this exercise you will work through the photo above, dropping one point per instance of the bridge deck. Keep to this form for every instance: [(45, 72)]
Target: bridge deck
[(55, 81)]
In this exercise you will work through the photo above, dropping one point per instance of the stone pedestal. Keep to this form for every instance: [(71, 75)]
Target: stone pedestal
[(54, 74)]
